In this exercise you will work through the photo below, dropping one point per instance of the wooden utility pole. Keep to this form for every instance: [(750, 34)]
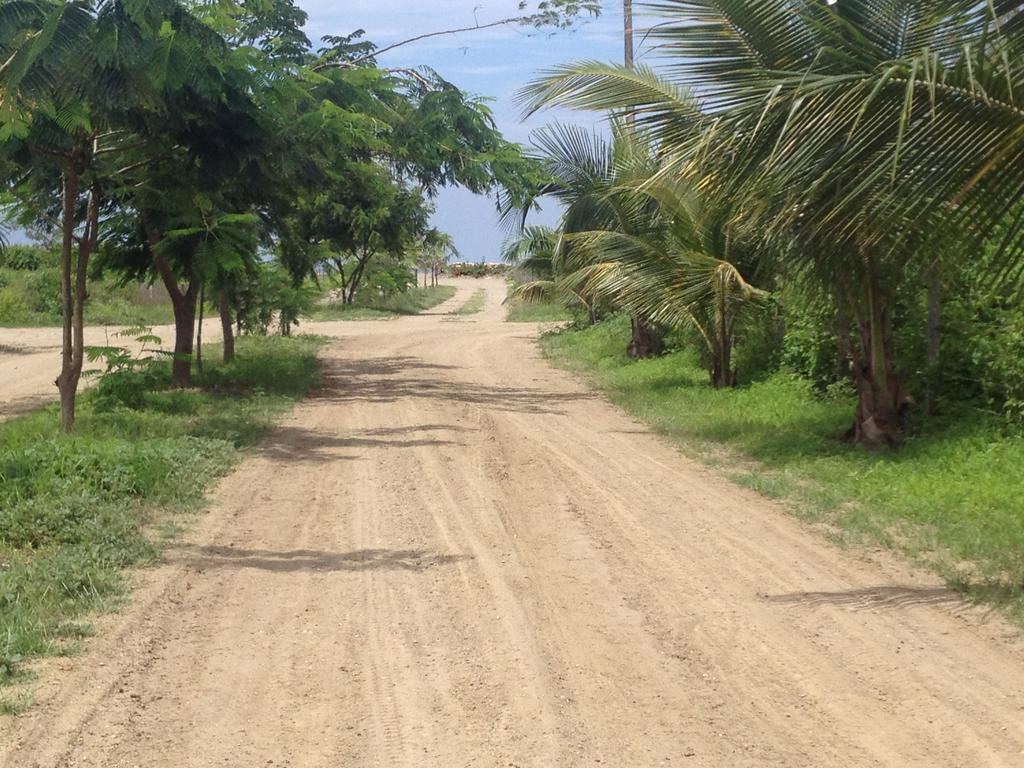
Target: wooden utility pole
[(627, 24)]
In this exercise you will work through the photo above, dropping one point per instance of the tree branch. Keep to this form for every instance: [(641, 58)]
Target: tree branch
[(425, 36)]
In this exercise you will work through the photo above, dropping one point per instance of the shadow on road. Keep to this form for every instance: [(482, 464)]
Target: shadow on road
[(380, 380), (295, 444), (871, 598), (291, 561)]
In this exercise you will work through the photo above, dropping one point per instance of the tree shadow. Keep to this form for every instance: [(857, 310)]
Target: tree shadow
[(201, 558), (873, 598), (295, 444), (386, 381), (17, 349)]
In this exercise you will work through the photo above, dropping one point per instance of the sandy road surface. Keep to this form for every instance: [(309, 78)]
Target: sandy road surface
[(456, 556), (30, 361)]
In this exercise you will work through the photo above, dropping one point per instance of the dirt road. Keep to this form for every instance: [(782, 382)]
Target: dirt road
[(456, 556)]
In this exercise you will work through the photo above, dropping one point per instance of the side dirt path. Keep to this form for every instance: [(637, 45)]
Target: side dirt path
[(30, 361), (455, 555)]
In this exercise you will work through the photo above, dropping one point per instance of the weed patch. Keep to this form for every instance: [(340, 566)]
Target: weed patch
[(410, 302), (520, 311), (474, 304)]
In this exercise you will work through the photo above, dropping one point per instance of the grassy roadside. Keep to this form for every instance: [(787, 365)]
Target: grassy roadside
[(411, 302), (520, 311), (76, 510), (952, 498), (474, 304)]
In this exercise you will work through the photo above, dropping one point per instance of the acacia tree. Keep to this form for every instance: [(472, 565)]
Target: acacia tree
[(72, 73), (380, 145)]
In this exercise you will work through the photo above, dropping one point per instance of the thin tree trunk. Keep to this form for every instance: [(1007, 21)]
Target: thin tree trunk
[(67, 382), (341, 276), (74, 292), (199, 327), (224, 308), (357, 276), (934, 336)]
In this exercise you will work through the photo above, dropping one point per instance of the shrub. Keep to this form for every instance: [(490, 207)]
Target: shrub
[(44, 290), (26, 257), (13, 307)]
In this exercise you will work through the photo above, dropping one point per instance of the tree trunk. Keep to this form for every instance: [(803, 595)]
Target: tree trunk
[(882, 400), (646, 340), (226, 325), (843, 351), (184, 305), (184, 327), (67, 380), (722, 373), (199, 327), (74, 291), (356, 278), (934, 336)]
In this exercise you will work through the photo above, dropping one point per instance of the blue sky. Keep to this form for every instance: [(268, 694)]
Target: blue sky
[(494, 63)]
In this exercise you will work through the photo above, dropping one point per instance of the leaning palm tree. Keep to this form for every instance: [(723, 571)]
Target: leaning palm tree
[(863, 134)]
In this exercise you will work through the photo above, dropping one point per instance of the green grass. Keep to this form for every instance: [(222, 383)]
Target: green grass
[(952, 498), (12, 706), (32, 299), (75, 511), (520, 311), (474, 304), (411, 302)]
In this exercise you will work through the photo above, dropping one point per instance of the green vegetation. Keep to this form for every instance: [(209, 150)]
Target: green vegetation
[(950, 498), (409, 302), (76, 510), (521, 311), (32, 298), (711, 204), (474, 303), (476, 269)]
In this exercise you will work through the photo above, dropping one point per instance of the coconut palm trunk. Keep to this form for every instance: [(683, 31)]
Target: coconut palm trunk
[(882, 399), (645, 339)]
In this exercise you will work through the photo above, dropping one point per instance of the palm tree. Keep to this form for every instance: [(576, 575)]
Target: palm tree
[(861, 137), (658, 249)]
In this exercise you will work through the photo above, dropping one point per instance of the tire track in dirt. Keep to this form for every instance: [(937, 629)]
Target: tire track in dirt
[(455, 555)]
